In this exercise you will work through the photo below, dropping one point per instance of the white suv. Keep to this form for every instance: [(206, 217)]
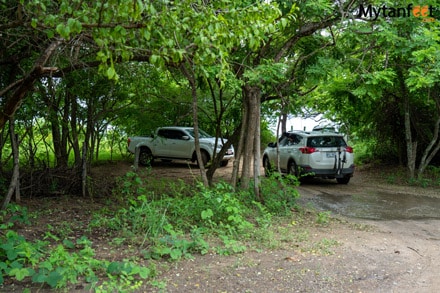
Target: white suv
[(318, 154)]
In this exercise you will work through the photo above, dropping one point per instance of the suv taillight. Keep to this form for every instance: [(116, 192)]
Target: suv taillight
[(128, 141), (307, 150), (349, 149)]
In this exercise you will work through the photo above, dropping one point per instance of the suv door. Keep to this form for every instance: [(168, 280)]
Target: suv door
[(289, 148)]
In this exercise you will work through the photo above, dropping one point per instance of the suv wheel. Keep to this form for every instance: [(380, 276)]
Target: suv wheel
[(293, 169), (224, 163), (343, 180), (267, 167)]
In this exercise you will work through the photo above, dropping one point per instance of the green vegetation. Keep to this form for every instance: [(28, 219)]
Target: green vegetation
[(156, 221), (61, 263)]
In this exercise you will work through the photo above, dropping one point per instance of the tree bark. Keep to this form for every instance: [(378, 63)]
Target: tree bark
[(411, 145), (251, 96), (434, 145), (192, 81), (14, 186), (26, 84)]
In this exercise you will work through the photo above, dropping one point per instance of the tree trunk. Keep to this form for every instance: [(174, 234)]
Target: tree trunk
[(2, 144), (84, 170), (73, 128), (257, 151), (240, 148), (431, 150), (14, 186), (411, 146), (283, 119), (192, 81), (251, 96)]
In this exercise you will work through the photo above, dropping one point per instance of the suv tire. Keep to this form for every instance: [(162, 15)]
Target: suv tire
[(343, 180), (293, 169), (267, 167)]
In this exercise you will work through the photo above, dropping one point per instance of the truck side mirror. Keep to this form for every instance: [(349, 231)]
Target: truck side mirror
[(185, 137)]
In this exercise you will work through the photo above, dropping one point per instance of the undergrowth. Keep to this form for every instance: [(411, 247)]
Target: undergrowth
[(162, 220)]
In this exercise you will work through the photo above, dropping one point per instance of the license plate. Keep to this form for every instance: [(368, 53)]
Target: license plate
[(330, 155)]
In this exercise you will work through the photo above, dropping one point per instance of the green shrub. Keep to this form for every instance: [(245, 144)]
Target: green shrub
[(279, 194), (57, 265)]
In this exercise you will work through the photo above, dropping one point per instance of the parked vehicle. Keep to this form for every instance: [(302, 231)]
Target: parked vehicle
[(177, 143), (311, 154)]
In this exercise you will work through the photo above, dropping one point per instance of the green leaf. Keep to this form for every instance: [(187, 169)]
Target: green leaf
[(144, 272), (20, 274), (34, 22), (68, 243), (53, 278), (114, 268), (207, 214), (111, 73), (63, 31), (176, 254), (40, 277)]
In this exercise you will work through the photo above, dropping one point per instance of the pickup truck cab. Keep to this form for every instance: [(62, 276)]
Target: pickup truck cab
[(177, 143)]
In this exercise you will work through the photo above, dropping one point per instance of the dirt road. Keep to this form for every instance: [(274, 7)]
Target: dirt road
[(394, 255), (363, 255)]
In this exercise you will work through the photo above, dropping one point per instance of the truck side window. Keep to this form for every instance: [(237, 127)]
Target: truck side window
[(162, 133)]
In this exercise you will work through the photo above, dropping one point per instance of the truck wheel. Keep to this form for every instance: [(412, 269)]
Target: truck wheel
[(205, 158), (145, 157)]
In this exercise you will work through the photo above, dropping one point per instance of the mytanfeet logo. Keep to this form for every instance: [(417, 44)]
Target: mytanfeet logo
[(426, 13)]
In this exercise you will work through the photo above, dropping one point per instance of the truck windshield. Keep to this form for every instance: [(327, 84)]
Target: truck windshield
[(202, 134)]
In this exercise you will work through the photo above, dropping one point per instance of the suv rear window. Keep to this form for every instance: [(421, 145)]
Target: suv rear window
[(326, 141)]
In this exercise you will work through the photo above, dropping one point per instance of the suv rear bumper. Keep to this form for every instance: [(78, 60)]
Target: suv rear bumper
[(328, 173)]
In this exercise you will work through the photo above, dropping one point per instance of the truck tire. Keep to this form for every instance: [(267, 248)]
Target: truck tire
[(145, 157), (205, 158)]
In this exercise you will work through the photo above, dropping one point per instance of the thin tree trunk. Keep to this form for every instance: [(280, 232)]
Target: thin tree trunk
[(84, 170), (191, 79), (431, 150), (257, 152), (411, 146), (283, 119), (73, 129), (239, 149), (14, 186)]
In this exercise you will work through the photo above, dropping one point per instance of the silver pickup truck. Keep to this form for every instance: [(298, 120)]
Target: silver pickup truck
[(177, 143)]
